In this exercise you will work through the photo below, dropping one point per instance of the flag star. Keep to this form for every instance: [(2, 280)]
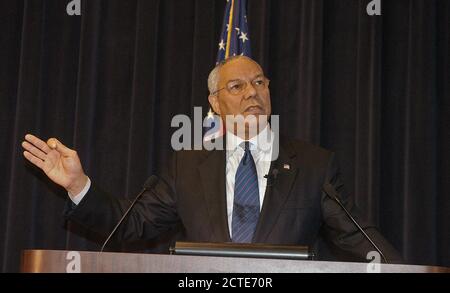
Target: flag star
[(221, 45), (242, 54), (228, 27), (238, 30), (243, 37)]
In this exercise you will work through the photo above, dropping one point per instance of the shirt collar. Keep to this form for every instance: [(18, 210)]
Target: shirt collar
[(261, 142)]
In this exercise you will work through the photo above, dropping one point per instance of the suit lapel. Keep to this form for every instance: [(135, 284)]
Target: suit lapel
[(277, 194), (212, 176)]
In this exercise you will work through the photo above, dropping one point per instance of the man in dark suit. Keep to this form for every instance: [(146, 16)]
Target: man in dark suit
[(243, 193)]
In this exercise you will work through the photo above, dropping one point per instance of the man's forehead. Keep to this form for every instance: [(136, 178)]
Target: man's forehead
[(240, 68)]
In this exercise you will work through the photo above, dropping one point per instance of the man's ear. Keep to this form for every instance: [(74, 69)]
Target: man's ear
[(214, 102)]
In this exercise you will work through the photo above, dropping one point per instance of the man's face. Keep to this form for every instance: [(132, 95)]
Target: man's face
[(254, 99)]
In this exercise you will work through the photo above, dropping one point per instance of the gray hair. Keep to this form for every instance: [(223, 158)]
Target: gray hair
[(213, 78)]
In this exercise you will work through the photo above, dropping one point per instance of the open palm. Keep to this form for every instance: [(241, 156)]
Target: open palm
[(61, 164)]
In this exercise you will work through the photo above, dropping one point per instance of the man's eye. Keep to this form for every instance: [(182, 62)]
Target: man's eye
[(259, 82), (236, 86)]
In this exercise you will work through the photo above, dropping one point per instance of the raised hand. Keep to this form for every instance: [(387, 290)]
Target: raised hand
[(61, 164)]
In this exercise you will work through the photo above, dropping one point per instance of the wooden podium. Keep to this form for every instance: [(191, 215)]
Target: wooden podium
[(61, 261)]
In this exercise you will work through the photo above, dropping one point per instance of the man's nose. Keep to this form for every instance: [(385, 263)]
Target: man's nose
[(250, 91)]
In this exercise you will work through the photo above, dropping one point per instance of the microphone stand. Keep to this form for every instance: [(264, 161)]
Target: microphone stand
[(331, 192)]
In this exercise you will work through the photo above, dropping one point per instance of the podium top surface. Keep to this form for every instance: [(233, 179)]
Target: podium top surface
[(60, 261)]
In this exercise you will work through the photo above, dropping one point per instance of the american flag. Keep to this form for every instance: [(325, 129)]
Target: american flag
[(234, 40)]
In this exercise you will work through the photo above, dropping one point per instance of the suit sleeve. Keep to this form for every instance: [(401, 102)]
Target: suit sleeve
[(346, 240), (154, 213)]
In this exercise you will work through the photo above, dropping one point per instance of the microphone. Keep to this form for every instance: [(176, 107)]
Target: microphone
[(331, 192), (272, 177), (147, 185)]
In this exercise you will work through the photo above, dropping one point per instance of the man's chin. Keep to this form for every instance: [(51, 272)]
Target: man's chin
[(254, 119)]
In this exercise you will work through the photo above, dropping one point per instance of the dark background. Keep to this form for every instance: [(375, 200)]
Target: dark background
[(373, 89)]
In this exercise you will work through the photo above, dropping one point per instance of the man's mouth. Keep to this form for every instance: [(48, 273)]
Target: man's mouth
[(254, 110)]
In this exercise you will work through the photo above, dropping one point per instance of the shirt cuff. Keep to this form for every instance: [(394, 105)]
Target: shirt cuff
[(77, 198)]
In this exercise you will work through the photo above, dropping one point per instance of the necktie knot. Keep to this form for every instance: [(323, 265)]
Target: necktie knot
[(247, 154), (245, 145)]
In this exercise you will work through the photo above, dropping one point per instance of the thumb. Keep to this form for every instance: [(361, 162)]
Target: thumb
[(55, 144)]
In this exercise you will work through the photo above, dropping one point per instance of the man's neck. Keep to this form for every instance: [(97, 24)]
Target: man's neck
[(262, 140), (247, 134)]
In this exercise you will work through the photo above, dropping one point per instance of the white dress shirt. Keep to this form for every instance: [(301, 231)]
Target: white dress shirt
[(261, 150)]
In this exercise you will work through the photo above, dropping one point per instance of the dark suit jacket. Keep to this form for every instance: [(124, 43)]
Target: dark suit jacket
[(192, 193)]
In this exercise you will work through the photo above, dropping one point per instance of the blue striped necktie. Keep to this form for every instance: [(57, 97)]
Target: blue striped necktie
[(246, 199)]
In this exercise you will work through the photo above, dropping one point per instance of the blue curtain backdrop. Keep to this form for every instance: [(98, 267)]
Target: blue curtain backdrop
[(374, 89)]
